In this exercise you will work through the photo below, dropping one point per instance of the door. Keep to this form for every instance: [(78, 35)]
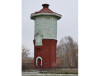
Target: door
[(39, 62)]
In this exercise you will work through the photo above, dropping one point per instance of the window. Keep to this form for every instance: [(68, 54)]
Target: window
[(38, 49)]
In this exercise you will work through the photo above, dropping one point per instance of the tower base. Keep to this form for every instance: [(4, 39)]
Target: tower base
[(45, 55)]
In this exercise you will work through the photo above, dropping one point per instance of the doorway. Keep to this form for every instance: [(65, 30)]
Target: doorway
[(38, 61)]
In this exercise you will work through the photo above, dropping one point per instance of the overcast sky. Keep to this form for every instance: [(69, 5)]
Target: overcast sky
[(66, 26)]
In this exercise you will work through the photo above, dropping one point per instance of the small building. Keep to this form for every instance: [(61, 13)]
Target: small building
[(45, 37)]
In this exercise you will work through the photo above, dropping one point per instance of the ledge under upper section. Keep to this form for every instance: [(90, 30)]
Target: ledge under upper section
[(47, 14)]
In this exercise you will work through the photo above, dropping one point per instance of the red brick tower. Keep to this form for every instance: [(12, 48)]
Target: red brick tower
[(45, 37)]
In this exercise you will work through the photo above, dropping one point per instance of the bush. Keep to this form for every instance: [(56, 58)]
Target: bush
[(27, 64)]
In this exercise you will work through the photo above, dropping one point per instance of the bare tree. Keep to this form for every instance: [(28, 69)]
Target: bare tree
[(27, 62), (67, 52), (25, 52)]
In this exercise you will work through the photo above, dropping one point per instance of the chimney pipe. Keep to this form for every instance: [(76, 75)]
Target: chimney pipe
[(45, 5)]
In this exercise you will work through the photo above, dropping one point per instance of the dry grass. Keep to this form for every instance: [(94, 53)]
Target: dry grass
[(70, 71)]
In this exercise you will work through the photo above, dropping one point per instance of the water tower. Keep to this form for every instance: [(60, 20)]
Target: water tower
[(45, 37)]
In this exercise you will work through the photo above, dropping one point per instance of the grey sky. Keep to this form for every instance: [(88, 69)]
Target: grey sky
[(67, 25)]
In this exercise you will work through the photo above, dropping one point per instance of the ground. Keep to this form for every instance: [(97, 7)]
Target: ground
[(46, 73), (50, 75)]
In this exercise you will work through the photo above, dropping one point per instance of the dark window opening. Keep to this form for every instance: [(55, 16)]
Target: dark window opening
[(38, 49)]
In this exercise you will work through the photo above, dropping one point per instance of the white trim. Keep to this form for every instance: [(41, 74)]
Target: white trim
[(37, 60), (53, 14)]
